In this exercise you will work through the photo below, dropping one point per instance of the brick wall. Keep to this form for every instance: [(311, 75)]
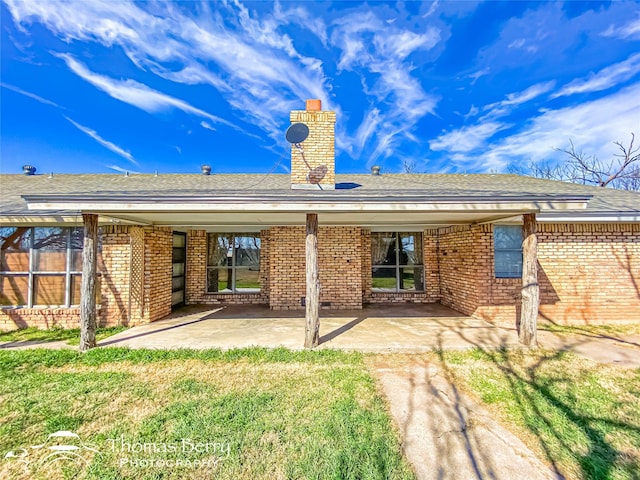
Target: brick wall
[(196, 275), (431, 265), (114, 291), (365, 254), (39, 317), (339, 258), (135, 281), (319, 147), (459, 260), (196, 281), (120, 302), (265, 243), (158, 245), (114, 279), (588, 273)]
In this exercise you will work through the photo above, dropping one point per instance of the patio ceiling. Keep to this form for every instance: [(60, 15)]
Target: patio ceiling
[(246, 212)]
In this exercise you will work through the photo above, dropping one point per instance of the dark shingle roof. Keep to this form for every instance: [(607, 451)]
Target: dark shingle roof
[(13, 187)]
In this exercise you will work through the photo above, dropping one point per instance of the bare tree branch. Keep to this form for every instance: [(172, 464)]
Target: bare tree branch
[(622, 172), (409, 166)]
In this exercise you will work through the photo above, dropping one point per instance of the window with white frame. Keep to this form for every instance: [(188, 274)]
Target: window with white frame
[(396, 260), (507, 251), (41, 266), (233, 263)]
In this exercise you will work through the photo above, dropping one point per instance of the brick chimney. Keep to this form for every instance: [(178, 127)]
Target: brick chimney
[(314, 166)]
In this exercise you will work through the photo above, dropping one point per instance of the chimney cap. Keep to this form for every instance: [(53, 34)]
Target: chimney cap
[(314, 105)]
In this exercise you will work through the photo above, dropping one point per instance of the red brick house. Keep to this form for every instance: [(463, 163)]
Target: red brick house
[(167, 240)]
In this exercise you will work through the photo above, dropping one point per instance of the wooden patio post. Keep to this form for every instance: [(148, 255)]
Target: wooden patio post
[(88, 287), (312, 301), (528, 332)]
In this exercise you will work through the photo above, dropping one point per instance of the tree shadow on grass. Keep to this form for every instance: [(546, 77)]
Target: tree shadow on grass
[(552, 408)]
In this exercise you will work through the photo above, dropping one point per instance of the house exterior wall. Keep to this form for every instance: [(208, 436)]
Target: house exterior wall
[(365, 254), (44, 318), (588, 273), (196, 265), (135, 283), (114, 276), (340, 268), (158, 249), (463, 253), (265, 270)]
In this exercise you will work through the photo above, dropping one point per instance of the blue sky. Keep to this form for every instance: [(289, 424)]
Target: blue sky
[(104, 86)]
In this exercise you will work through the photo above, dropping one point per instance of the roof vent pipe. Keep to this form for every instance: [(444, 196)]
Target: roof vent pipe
[(205, 169), (375, 170), (28, 169)]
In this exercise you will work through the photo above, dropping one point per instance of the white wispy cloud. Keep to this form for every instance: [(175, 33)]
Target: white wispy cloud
[(522, 44), (207, 125), (608, 77), (33, 96), (120, 169), (473, 111), (251, 60), (513, 100), (134, 93), (476, 75), (257, 68), (297, 15), (630, 30), (592, 126), (467, 139), (517, 43), (368, 46), (432, 9), (526, 95), (403, 43), (105, 143)]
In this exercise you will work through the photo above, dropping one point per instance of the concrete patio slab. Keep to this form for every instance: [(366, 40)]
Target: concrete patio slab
[(394, 328)]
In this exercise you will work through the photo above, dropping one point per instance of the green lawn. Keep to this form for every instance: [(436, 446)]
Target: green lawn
[(593, 330), (71, 335), (581, 417), (254, 413)]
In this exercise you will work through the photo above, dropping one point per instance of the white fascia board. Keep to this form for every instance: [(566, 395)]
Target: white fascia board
[(40, 219), (616, 217), (316, 207), (52, 220)]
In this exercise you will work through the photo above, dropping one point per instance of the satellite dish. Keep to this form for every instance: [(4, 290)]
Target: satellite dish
[(297, 133)]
